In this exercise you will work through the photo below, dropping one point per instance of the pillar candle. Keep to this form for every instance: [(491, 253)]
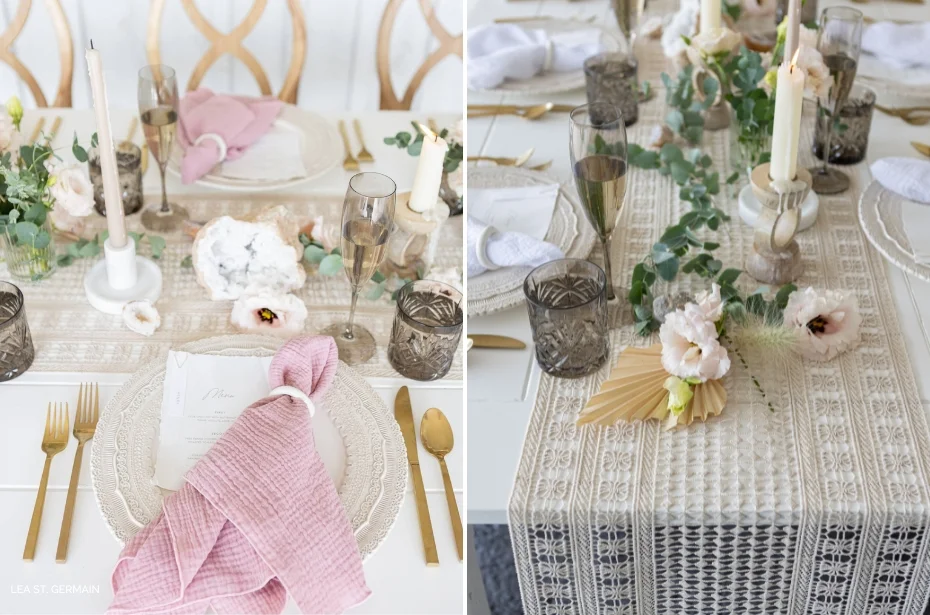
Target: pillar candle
[(116, 222), (789, 99), (429, 172), (792, 33), (710, 15)]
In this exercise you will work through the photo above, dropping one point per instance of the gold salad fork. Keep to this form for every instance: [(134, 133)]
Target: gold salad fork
[(85, 423), (363, 154), (349, 163), (54, 440)]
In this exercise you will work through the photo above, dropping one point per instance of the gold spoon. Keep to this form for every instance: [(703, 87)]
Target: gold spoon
[(921, 147), (519, 161), (436, 434), (533, 112)]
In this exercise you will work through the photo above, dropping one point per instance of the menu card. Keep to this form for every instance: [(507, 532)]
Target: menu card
[(203, 396)]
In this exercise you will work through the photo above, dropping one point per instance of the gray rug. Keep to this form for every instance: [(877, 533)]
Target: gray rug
[(495, 558)]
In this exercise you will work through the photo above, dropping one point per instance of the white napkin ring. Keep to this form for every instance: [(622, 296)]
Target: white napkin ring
[(296, 394), (220, 143), (481, 247), (550, 51)]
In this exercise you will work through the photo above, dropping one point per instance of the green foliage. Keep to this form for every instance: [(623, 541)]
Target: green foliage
[(754, 108), (413, 143), (685, 118), (91, 248)]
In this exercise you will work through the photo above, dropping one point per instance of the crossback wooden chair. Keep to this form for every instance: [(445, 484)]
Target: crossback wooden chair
[(231, 43), (65, 52), (448, 45)]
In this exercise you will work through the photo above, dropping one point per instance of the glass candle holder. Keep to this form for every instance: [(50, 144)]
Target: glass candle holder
[(129, 168), (850, 140), (612, 78), (16, 350), (567, 304), (808, 11), (427, 330)]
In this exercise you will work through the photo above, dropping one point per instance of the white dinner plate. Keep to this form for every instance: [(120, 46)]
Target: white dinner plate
[(894, 87), (357, 437), (552, 82), (320, 147), (500, 289), (880, 214)]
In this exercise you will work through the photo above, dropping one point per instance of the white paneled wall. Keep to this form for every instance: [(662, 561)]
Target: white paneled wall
[(339, 72)]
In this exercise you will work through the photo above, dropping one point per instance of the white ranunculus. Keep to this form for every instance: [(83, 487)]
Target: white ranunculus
[(9, 136), (818, 79), (457, 132), (807, 37), (826, 322), (710, 303), (719, 41), (141, 317), (73, 191), (267, 313), (690, 348)]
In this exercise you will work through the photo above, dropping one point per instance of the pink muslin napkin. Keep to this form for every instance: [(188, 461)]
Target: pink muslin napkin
[(258, 518), (239, 121)]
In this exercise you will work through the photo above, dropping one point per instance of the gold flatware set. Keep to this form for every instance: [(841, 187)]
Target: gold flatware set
[(518, 161), (483, 340), (436, 434), (527, 112), (54, 441), (37, 130), (350, 162), (923, 148), (915, 116)]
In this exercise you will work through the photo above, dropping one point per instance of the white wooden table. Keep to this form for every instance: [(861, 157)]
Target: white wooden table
[(396, 573), (502, 386)]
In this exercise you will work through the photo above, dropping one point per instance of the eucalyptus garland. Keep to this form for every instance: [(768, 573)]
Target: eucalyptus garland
[(679, 248)]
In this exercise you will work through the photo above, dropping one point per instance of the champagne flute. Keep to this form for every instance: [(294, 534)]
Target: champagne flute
[(367, 218), (158, 108), (599, 153), (839, 41)]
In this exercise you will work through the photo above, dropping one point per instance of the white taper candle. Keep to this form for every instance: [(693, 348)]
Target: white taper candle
[(116, 222), (789, 100), (429, 172), (710, 15)]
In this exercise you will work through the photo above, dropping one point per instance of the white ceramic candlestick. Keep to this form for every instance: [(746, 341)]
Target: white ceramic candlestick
[(121, 276), (429, 171)]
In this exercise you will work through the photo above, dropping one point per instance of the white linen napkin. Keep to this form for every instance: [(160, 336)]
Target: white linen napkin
[(497, 52), (277, 156), (527, 209), (899, 45), (910, 177), (504, 249)]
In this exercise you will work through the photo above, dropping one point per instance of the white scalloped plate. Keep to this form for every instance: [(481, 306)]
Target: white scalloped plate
[(356, 435), (551, 83), (500, 289), (321, 149), (883, 225)]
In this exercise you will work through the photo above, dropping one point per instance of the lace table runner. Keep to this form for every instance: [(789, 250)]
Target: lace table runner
[(70, 335), (819, 507)]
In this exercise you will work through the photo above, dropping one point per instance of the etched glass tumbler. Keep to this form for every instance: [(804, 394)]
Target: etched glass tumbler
[(567, 304), (16, 350), (427, 329)]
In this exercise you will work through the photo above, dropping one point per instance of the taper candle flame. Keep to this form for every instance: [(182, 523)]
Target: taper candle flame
[(427, 132)]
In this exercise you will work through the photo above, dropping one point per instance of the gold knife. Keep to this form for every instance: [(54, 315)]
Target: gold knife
[(495, 341), (921, 147), (559, 108), (403, 413)]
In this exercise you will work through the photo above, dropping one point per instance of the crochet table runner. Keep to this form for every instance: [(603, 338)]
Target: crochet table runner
[(70, 335), (820, 506)]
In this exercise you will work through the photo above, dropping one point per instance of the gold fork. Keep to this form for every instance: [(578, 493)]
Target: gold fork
[(349, 163), (363, 154), (54, 441), (37, 130), (56, 124), (85, 422)]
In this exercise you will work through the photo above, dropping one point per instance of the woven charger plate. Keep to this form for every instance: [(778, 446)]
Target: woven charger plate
[(356, 435), (551, 83), (500, 289), (880, 216)]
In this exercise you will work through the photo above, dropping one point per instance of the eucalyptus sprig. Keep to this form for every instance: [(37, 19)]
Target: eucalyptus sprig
[(330, 263), (89, 248), (413, 143), (685, 115)]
